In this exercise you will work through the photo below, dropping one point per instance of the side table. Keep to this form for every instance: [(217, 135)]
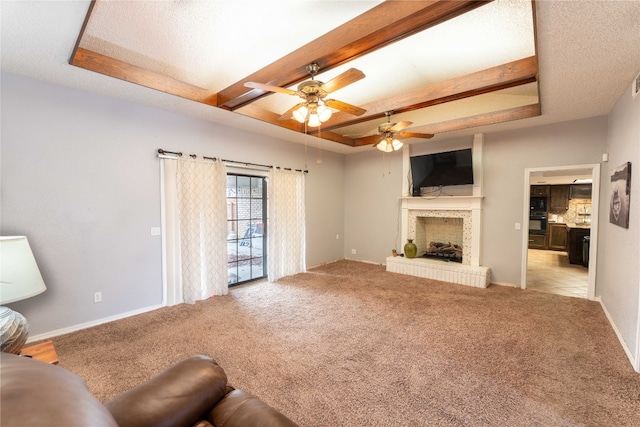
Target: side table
[(44, 351)]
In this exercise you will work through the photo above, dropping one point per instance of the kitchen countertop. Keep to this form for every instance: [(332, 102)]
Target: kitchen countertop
[(572, 225)]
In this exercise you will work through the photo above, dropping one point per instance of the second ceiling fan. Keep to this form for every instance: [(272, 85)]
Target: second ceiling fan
[(316, 109), (388, 133)]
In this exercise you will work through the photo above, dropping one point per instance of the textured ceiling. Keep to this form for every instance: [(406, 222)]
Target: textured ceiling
[(587, 54)]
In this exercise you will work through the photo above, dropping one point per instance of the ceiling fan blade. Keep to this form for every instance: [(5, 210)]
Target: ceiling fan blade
[(352, 75), (414, 135), (343, 106), (399, 126), (368, 140), (289, 113), (270, 88)]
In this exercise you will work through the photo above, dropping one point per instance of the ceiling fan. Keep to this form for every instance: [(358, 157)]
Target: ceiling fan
[(386, 139), (316, 109)]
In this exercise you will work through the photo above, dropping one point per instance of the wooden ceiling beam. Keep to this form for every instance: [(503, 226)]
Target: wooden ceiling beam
[(502, 116), (271, 117), (516, 113), (111, 67), (504, 76), (378, 27)]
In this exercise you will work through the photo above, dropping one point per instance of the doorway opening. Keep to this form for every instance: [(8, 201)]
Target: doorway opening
[(558, 259), (246, 231)]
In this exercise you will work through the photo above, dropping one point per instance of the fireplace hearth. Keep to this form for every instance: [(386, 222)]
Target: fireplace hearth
[(464, 209)]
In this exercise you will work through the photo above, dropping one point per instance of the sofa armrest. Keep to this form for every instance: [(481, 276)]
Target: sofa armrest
[(241, 409), (179, 396), (35, 393)]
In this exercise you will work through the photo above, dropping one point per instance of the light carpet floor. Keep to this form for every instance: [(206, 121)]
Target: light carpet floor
[(349, 344)]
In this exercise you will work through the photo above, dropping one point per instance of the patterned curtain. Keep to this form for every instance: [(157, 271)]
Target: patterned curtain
[(286, 231), (202, 212)]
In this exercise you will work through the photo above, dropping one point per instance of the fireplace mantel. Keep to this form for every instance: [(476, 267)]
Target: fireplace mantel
[(470, 204), (467, 207), (443, 202)]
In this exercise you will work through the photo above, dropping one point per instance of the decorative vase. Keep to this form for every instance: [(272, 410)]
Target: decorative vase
[(410, 249)]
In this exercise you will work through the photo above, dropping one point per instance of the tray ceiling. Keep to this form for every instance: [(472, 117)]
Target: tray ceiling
[(442, 65), (451, 68)]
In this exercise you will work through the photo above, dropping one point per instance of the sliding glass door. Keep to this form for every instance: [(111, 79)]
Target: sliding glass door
[(246, 220)]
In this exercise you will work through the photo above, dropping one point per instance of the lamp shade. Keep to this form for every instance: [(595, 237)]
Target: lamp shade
[(314, 120), (385, 146), (20, 277), (301, 114), (324, 113)]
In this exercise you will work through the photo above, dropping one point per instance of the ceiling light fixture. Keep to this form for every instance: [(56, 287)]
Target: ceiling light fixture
[(314, 113), (389, 144)]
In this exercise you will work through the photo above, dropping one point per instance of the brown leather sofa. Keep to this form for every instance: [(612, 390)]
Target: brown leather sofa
[(192, 393)]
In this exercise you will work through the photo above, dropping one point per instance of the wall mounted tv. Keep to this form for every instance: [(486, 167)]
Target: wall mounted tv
[(440, 169)]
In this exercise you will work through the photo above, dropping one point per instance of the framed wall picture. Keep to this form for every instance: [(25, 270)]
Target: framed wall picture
[(620, 195)]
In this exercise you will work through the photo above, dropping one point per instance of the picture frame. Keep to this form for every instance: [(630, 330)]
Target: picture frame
[(620, 195)]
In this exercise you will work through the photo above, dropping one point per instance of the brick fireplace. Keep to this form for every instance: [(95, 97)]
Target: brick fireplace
[(460, 215), (457, 219)]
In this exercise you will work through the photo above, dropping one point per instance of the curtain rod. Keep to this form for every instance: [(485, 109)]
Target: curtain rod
[(179, 154)]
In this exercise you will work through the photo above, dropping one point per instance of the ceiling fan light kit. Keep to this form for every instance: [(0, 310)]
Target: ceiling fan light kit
[(389, 144), (315, 109), (312, 113)]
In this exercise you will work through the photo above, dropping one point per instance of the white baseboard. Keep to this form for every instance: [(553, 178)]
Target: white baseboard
[(364, 261), (81, 326), (509, 285), (324, 263), (625, 347)]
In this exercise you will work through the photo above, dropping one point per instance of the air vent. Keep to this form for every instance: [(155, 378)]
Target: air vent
[(635, 87)]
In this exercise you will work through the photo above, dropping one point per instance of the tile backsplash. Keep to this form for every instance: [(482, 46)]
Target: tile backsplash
[(578, 212)]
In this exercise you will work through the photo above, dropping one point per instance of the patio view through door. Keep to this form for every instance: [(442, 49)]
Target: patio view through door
[(246, 219)]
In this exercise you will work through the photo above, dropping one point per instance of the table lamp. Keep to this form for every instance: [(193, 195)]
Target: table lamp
[(20, 279)]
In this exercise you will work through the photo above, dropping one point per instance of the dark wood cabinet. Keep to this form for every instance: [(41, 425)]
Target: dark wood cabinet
[(557, 237), (580, 191), (559, 197), (537, 241), (539, 190), (575, 243)]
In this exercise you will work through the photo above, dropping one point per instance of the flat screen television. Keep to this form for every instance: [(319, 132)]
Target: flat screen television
[(440, 169)]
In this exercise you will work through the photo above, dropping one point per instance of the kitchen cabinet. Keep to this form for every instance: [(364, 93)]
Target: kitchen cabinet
[(576, 240), (539, 190), (557, 237), (559, 197), (580, 191), (537, 241)]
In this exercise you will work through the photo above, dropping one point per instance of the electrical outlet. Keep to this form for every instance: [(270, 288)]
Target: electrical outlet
[(155, 231), (97, 297), (517, 226), (353, 251), (337, 236)]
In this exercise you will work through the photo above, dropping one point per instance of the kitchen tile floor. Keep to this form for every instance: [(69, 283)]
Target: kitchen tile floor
[(550, 271)]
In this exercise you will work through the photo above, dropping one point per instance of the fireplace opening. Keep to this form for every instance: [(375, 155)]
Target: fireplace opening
[(440, 237), (445, 251)]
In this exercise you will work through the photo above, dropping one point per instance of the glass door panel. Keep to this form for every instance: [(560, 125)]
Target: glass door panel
[(246, 216)]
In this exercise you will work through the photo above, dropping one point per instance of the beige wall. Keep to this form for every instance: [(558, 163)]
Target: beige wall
[(506, 156), (618, 274), (81, 179)]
